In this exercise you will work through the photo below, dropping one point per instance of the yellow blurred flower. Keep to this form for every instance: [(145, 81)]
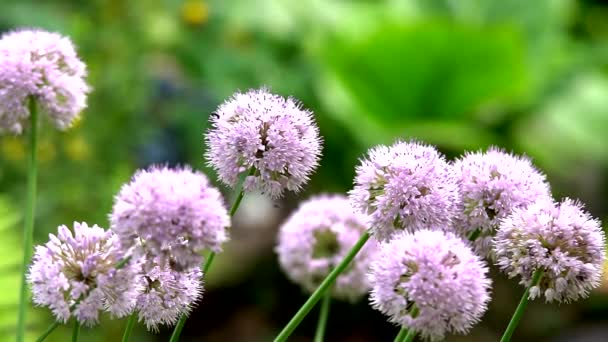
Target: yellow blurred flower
[(46, 151), (195, 12), (13, 148), (77, 148)]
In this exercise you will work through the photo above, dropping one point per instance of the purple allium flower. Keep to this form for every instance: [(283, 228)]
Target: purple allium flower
[(45, 66), (492, 185), (315, 239), (171, 213), (407, 186), (431, 282), (266, 132), (79, 269), (560, 238), (167, 294)]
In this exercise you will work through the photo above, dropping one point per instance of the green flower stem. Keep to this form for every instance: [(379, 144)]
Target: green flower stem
[(48, 331), (401, 336), (523, 303), (235, 206), (324, 314), (28, 227), (410, 336), (129, 327), (316, 296), (75, 331)]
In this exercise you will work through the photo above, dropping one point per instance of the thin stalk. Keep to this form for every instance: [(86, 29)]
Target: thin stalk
[(401, 335), (129, 328), (324, 314), (316, 296), (48, 331), (519, 311), (75, 331), (28, 226), (410, 336), (235, 206)]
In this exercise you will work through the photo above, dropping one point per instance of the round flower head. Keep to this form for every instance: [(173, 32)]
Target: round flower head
[(405, 186), (316, 238), (272, 137), (167, 294), (562, 240), (44, 66), (492, 184), (80, 270), (431, 282), (171, 213)]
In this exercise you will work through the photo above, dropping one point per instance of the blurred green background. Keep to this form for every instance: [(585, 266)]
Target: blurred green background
[(530, 76)]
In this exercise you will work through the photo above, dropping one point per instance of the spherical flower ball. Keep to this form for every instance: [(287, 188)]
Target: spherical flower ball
[(405, 186), (80, 269), (317, 237), (167, 294), (492, 185), (269, 136), (44, 66), (431, 282), (560, 239), (171, 213)]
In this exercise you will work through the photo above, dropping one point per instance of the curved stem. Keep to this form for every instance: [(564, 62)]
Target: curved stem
[(129, 328), (235, 206), (401, 335), (523, 303), (48, 331), (324, 314), (316, 296), (410, 336), (28, 226), (75, 331)]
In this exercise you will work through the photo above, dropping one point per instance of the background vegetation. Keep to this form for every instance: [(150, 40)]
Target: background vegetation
[(530, 76)]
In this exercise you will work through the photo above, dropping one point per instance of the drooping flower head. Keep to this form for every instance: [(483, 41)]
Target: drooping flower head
[(561, 239), (79, 269), (171, 213), (315, 239), (44, 66), (492, 185), (268, 134), (431, 282), (167, 294), (405, 186)]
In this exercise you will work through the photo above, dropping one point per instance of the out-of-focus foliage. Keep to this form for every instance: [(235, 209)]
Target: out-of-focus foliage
[(530, 76)]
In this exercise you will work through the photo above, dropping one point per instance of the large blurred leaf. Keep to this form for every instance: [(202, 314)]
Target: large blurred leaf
[(571, 126), (403, 75), (10, 275)]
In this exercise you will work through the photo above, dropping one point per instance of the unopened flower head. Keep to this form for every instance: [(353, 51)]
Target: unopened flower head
[(406, 186), (167, 294), (268, 135), (44, 66), (492, 184), (171, 213), (562, 240), (79, 269), (315, 239), (431, 282)]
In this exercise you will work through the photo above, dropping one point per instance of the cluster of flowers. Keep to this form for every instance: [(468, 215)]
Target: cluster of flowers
[(149, 262), (434, 223)]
